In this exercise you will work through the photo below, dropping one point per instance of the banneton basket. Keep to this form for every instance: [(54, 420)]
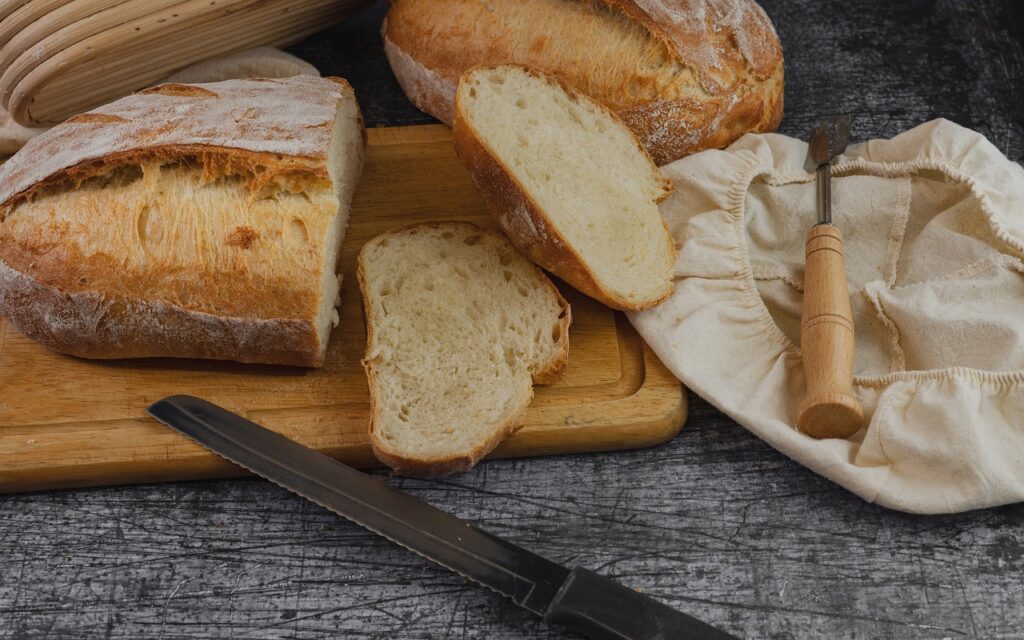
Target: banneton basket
[(60, 58)]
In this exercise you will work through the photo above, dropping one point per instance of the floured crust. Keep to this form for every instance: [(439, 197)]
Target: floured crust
[(261, 62), (711, 35), (721, 75), (672, 129), (274, 135), (287, 128), (526, 224), (550, 373), (428, 89)]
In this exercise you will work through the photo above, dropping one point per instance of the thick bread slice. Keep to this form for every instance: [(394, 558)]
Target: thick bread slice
[(570, 185), (459, 327), (187, 221), (684, 75)]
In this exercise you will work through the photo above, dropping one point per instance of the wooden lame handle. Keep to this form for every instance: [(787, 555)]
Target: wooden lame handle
[(829, 409)]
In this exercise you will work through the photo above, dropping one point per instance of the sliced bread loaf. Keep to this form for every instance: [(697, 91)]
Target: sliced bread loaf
[(571, 186), (191, 221), (459, 327)]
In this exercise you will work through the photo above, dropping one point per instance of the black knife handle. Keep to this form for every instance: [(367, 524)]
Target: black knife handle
[(606, 610)]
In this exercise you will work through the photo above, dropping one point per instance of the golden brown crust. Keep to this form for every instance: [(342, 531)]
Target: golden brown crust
[(178, 89), (550, 373), (89, 324), (524, 222), (710, 72), (278, 124), (258, 169), (710, 35), (672, 129), (92, 305), (63, 267), (418, 468)]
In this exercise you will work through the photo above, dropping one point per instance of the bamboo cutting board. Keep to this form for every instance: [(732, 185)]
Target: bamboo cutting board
[(66, 422)]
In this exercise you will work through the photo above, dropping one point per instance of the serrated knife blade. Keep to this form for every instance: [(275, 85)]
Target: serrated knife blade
[(597, 606)]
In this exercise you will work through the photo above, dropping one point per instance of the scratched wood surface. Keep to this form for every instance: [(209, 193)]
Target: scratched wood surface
[(714, 522)]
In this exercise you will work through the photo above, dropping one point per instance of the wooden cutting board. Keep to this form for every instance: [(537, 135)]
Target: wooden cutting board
[(66, 422)]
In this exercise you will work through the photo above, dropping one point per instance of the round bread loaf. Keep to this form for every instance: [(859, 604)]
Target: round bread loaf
[(684, 75)]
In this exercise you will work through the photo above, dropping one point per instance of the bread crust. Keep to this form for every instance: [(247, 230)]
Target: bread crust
[(730, 83), (260, 62), (426, 88), (44, 290), (293, 133), (90, 324), (525, 223), (549, 373)]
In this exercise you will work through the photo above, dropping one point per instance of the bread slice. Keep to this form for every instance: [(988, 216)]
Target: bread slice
[(459, 327), (570, 185), (197, 221)]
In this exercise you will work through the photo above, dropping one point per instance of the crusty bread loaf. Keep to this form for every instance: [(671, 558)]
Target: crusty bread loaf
[(187, 221), (684, 75), (569, 183), (459, 326)]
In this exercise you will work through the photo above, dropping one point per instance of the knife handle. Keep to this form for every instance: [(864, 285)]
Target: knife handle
[(829, 409), (606, 610)]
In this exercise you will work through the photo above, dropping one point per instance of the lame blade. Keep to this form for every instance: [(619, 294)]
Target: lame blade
[(828, 140), (528, 579)]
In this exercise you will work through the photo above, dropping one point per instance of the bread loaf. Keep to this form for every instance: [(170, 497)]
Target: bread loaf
[(187, 220), (684, 75), (459, 327), (570, 185)]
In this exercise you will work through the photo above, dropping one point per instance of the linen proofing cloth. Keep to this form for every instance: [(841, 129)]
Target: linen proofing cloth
[(934, 228)]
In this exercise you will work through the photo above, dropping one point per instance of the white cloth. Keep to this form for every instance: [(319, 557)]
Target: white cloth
[(934, 227)]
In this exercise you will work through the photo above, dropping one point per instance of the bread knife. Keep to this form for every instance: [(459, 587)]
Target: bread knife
[(583, 600)]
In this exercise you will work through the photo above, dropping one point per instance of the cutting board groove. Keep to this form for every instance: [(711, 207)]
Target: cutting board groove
[(67, 422)]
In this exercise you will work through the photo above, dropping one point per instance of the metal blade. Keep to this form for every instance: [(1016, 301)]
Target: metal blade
[(828, 140), (528, 579)]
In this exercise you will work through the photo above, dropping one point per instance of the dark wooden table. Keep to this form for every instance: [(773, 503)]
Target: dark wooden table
[(715, 522)]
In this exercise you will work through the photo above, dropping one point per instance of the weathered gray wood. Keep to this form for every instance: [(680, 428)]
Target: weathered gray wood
[(715, 522)]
